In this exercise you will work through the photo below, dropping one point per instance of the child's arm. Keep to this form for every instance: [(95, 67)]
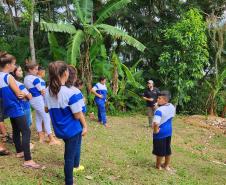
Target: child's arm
[(80, 116), (38, 85), (156, 128), (15, 88), (96, 94), (148, 99)]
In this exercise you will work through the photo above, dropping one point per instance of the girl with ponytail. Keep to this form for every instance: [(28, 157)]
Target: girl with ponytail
[(65, 111)]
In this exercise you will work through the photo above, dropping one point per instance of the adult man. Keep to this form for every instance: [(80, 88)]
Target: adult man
[(150, 96)]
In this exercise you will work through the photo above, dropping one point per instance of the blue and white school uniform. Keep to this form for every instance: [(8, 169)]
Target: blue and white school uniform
[(163, 116), (81, 98), (25, 103), (61, 110), (66, 127), (11, 104), (34, 86), (101, 89)]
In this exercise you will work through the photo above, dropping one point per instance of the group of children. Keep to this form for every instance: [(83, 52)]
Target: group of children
[(62, 103)]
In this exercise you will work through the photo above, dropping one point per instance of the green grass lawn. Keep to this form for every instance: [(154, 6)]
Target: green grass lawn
[(122, 155)]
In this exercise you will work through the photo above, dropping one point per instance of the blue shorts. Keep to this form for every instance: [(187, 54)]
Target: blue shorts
[(28, 115)]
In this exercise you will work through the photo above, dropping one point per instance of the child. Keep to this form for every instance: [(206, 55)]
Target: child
[(3, 150), (11, 96), (18, 74), (162, 130), (33, 84), (66, 114), (100, 92), (71, 83), (41, 74), (79, 85)]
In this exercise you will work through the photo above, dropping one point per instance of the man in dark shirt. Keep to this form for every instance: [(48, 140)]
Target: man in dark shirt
[(150, 96)]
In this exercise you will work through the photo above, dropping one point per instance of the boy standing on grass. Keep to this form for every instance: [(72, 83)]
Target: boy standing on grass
[(162, 130)]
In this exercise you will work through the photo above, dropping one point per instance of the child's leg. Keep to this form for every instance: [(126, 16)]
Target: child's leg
[(3, 131), (69, 158), (167, 161), (158, 162), (16, 136), (41, 134), (78, 152), (22, 127), (103, 113), (99, 115)]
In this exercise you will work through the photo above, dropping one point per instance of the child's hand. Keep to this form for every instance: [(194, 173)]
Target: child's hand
[(84, 131), (21, 95), (43, 92), (156, 131), (100, 96)]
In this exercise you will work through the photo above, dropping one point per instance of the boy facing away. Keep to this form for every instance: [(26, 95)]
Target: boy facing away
[(162, 130)]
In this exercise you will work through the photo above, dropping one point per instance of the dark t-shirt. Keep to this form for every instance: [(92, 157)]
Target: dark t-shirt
[(151, 94)]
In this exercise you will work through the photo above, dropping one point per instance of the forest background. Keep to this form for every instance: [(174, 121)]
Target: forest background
[(179, 44)]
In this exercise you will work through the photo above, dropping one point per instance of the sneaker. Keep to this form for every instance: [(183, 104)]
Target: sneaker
[(78, 169)]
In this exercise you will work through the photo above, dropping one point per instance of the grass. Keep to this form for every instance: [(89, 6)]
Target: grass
[(122, 155)]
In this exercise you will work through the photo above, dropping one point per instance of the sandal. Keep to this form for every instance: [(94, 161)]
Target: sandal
[(4, 152), (32, 164), (20, 155)]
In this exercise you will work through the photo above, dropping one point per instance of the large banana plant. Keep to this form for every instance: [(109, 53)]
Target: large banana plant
[(84, 32)]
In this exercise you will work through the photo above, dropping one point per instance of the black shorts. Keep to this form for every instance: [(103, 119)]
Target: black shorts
[(162, 147)]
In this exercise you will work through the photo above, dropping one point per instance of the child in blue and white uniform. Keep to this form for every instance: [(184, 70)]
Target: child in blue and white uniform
[(11, 96), (66, 114), (33, 84), (100, 92), (162, 130), (18, 74), (79, 85), (41, 74)]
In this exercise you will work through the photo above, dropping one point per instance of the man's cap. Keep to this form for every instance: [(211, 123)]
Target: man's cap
[(150, 82)]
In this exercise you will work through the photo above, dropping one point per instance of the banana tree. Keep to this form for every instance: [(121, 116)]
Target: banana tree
[(124, 85), (85, 32)]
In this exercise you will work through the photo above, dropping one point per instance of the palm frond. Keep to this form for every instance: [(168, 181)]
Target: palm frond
[(117, 33), (78, 10), (111, 8), (131, 80), (84, 10), (75, 46), (94, 32), (53, 27)]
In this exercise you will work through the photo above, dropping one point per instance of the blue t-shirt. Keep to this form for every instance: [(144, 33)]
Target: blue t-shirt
[(11, 104), (61, 110), (163, 116), (101, 89)]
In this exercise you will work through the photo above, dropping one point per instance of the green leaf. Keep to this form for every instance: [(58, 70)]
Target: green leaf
[(75, 48), (131, 80), (117, 33), (84, 10), (110, 8), (61, 27)]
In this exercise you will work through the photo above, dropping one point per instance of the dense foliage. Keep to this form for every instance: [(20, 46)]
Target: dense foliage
[(180, 44)]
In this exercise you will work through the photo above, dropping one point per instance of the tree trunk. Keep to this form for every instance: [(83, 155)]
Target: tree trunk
[(115, 76), (86, 69), (31, 34)]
